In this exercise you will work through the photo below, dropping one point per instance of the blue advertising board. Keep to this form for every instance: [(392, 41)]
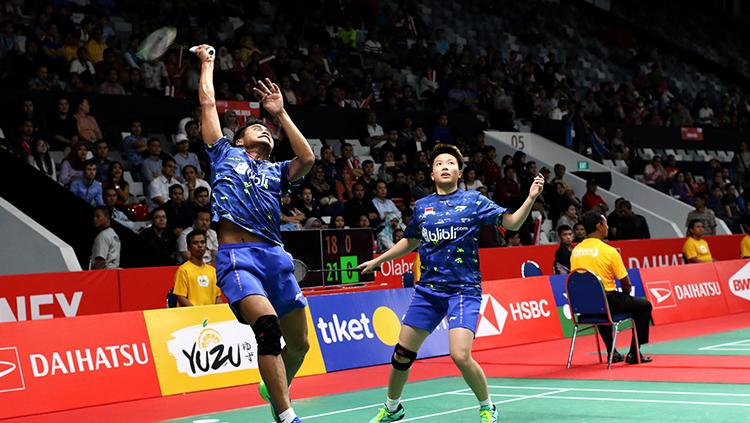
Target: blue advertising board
[(360, 329)]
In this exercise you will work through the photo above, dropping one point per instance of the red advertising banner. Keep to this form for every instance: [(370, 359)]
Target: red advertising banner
[(243, 109), (517, 311), (145, 288), (60, 364), (65, 294), (668, 251), (680, 293), (735, 279), (505, 263)]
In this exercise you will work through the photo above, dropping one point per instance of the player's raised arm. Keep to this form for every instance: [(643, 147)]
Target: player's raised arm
[(270, 95), (515, 220), (210, 125)]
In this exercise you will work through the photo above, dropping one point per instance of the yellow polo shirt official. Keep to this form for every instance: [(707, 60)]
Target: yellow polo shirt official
[(599, 258), (745, 246), (198, 284), (697, 248)]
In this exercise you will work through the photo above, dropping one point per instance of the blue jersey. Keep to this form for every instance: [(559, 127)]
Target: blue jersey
[(246, 191), (447, 227)]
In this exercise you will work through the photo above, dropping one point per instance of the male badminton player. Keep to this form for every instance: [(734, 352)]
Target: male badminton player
[(252, 268), (445, 227)]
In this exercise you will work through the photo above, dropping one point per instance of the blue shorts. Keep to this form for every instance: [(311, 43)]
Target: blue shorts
[(429, 307), (258, 268)]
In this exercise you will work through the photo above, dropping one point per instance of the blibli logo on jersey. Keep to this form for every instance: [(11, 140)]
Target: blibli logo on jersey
[(443, 234)]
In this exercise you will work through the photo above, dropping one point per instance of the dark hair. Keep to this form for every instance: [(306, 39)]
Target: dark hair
[(89, 162), (693, 222), (153, 212), (563, 228), (626, 205), (194, 233), (189, 123), (200, 210), (167, 160), (105, 209), (240, 132), (591, 220), (448, 149), (153, 139), (199, 190), (174, 187), (187, 166), (366, 162)]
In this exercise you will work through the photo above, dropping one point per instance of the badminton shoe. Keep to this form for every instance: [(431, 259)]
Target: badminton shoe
[(266, 396), (389, 416), (488, 414)]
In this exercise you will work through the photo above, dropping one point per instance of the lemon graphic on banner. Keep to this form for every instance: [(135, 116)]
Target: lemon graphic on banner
[(387, 325)]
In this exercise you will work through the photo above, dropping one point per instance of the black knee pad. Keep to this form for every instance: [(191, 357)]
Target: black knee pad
[(268, 335), (404, 353)]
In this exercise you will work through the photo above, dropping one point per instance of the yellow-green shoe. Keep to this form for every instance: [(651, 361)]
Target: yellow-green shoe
[(266, 396), (488, 414), (384, 415)]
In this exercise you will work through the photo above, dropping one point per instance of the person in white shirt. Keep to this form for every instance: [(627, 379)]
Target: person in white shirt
[(83, 66), (183, 157), (374, 130), (158, 190), (470, 182), (105, 254), (383, 204), (202, 222), (192, 181)]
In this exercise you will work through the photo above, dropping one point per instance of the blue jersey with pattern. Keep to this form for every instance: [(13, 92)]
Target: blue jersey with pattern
[(447, 227), (246, 191)]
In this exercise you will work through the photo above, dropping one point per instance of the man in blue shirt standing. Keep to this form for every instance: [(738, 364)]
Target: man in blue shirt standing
[(252, 268), (445, 227)]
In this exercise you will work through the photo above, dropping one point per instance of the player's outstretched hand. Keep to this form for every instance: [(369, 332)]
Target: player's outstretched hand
[(270, 95), (536, 187), (367, 267)]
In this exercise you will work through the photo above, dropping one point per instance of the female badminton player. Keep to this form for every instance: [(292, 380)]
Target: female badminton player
[(445, 227), (252, 268)]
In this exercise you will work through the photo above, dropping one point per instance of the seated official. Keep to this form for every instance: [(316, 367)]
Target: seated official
[(195, 281), (605, 262), (745, 245), (696, 248)]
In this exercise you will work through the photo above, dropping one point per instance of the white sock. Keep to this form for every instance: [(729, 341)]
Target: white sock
[(486, 403), (287, 416), (392, 404)]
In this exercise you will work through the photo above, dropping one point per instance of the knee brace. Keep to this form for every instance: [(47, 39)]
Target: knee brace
[(268, 335), (402, 352)]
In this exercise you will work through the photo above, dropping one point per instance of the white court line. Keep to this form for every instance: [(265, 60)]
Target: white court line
[(711, 347), (719, 394), (729, 404), (553, 390), (525, 397), (315, 416)]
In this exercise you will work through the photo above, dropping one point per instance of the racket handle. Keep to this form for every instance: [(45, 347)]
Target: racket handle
[(211, 52)]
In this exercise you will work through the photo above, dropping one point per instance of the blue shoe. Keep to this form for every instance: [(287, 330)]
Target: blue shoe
[(297, 420), (267, 397)]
